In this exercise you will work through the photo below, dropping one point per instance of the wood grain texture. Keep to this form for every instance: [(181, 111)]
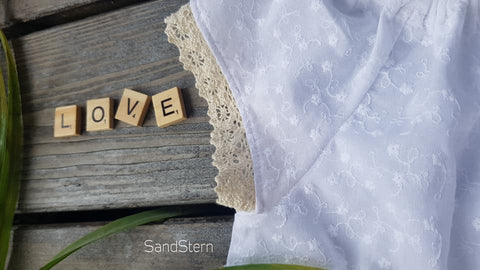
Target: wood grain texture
[(25, 10), (35, 245), (128, 166), (45, 13)]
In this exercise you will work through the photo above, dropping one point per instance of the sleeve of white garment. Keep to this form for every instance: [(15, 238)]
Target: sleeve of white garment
[(362, 118)]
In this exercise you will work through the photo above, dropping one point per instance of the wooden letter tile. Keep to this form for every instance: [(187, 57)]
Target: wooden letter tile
[(133, 107), (67, 121), (169, 107), (99, 114)]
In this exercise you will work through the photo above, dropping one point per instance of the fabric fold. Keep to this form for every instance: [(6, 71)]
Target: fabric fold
[(360, 117)]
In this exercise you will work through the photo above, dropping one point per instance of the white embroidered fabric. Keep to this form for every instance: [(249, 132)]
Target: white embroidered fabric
[(232, 158), (363, 123)]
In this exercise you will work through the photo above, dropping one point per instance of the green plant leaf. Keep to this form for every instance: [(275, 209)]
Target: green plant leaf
[(11, 141), (114, 227), (271, 267)]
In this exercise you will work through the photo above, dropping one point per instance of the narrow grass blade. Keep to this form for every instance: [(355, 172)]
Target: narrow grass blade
[(3, 166), (3, 112), (11, 141), (271, 267), (114, 227)]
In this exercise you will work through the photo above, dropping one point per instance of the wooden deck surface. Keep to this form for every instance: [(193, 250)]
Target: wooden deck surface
[(34, 245), (92, 49)]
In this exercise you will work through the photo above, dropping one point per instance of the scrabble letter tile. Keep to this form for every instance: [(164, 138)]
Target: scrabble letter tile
[(133, 107), (169, 108), (99, 114), (67, 121)]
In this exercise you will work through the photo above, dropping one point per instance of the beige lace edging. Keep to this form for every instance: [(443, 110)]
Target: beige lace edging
[(235, 186)]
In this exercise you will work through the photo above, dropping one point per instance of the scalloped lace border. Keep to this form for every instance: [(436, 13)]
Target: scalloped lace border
[(235, 185)]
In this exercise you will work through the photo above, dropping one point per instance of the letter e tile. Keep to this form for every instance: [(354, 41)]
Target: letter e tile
[(169, 107)]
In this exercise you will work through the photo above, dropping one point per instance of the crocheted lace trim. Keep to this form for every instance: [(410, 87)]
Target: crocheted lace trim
[(235, 186)]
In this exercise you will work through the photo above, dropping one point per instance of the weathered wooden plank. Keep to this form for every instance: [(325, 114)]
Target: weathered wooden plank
[(35, 245), (25, 10), (128, 166), (22, 16)]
